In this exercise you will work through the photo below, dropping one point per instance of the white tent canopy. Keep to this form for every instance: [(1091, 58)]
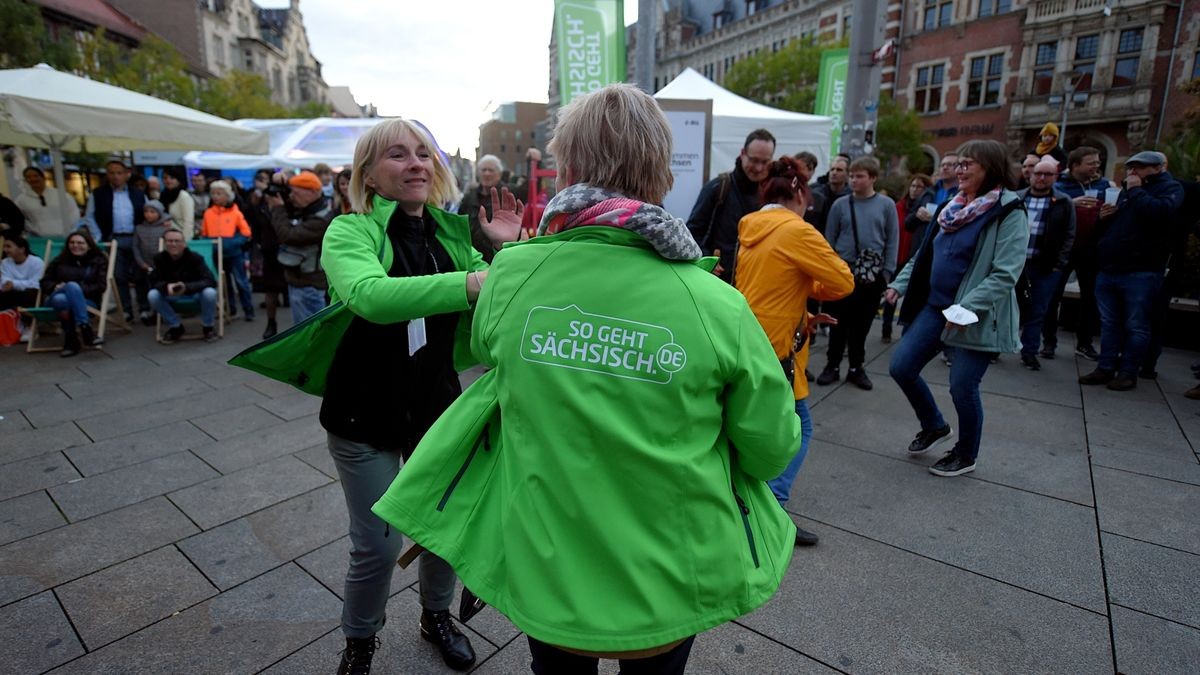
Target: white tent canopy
[(294, 144), (734, 117)]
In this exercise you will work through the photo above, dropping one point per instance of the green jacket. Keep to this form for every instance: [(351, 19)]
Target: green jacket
[(586, 486), (350, 254), (987, 289)]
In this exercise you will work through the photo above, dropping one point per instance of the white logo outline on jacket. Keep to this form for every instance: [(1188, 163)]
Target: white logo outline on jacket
[(568, 337)]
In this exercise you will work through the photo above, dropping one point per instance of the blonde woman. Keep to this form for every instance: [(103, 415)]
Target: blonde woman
[(407, 271)]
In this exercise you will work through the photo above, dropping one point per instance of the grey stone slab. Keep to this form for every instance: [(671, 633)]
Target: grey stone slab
[(1148, 645), (12, 421), (29, 395), (1043, 453), (125, 598), (1153, 579), (129, 485), (247, 547), (36, 635), (1130, 439), (35, 473), (240, 631), (1035, 542), (262, 445), (222, 375), (865, 607), (271, 388), (1148, 508), (108, 403), (329, 564), (292, 406), (402, 649), (240, 420), (223, 499), (162, 412), (17, 445), (116, 368), (28, 515), (318, 457), (1148, 464), (51, 558), (138, 447)]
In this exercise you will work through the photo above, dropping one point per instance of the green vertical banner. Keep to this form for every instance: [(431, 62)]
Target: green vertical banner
[(831, 92), (591, 45)]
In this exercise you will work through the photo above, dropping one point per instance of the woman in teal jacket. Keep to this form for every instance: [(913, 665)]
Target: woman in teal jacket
[(588, 486), (407, 271), (958, 290)]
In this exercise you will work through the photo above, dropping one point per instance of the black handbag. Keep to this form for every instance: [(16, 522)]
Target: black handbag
[(868, 264)]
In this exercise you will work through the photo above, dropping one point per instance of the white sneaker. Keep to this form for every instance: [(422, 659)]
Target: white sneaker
[(25, 331)]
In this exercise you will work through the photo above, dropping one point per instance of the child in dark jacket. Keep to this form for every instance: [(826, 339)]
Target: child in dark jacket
[(146, 238)]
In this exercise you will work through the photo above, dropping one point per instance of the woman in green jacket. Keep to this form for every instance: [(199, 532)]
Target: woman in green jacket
[(588, 486), (407, 271), (958, 290)]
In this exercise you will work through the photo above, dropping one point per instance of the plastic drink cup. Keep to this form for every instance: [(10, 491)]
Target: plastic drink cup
[(1111, 194), (1091, 194)]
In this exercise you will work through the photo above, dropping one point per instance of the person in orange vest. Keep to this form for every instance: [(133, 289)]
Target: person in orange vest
[(224, 220)]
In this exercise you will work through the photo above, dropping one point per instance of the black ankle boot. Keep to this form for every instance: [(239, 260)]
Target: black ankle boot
[(439, 628), (356, 657), (89, 336), (70, 342), (271, 330)]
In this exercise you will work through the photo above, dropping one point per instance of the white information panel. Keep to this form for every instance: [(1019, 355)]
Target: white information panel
[(691, 130)]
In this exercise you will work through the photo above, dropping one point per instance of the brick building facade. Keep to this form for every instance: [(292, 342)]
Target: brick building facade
[(513, 129)]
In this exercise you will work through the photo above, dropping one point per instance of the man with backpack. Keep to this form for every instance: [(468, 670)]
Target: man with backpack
[(300, 233)]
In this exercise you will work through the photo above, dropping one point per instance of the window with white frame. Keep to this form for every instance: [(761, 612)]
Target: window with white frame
[(1086, 48), (1129, 49), (938, 13), (1043, 68), (983, 81), (927, 95)]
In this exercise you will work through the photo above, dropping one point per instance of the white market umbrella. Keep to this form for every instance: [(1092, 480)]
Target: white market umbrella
[(42, 107)]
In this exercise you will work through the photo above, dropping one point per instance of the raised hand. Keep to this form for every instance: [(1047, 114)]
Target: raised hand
[(505, 225)]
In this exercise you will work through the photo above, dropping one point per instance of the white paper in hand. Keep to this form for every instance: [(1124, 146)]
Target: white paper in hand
[(960, 315), (416, 335)]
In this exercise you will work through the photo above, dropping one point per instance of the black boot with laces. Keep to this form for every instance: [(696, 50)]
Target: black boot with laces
[(439, 628), (356, 657)]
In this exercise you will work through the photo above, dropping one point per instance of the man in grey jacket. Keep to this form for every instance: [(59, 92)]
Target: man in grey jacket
[(1051, 236), (863, 221)]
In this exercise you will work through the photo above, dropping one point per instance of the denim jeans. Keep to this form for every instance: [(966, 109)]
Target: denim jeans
[(782, 486), (1087, 320), (1126, 302), (550, 660), (71, 305), (235, 267), (165, 306), (306, 301), (125, 270), (922, 341), (1042, 286), (366, 473)]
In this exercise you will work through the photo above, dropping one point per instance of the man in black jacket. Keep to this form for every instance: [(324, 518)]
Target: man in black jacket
[(1051, 235), (836, 185), (180, 274), (300, 232), (725, 199), (1132, 247)]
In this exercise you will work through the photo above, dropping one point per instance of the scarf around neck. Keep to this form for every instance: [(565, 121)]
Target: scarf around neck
[(582, 204), (958, 212)]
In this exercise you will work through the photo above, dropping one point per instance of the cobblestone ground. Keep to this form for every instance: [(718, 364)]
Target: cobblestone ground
[(161, 512)]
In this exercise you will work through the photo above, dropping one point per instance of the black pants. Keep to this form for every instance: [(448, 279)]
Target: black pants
[(1087, 320), (550, 660), (854, 314), (13, 299)]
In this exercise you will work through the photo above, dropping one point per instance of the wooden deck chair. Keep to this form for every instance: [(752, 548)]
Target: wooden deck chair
[(111, 300), (38, 314), (210, 250)]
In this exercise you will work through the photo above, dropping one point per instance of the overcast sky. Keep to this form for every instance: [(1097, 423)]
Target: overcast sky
[(447, 63)]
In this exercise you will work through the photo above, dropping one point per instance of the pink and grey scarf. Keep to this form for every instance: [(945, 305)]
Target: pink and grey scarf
[(958, 212), (582, 204)]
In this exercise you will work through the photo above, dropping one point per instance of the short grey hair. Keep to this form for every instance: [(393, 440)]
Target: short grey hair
[(490, 159)]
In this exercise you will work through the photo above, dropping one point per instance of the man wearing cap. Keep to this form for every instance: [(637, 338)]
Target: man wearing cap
[(300, 230), (1132, 251)]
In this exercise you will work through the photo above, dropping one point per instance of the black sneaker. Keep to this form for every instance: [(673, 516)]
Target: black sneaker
[(829, 376), (1087, 352), (1123, 382), (858, 377), (439, 628), (356, 657), (70, 344), (1097, 376), (808, 375), (953, 464), (927, 439), (90, 339), (210, 335), (1030, 361), (146, 318), (1148, 374), (172, 335), (1047, 353), (806, 538)]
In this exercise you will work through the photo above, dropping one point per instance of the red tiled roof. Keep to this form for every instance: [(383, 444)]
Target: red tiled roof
[(96, 13)]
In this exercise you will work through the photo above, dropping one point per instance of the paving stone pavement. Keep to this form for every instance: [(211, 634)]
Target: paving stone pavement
[(161, 512)]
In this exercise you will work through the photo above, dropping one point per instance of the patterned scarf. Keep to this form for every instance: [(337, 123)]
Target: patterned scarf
[(582, 204), (958, 212)]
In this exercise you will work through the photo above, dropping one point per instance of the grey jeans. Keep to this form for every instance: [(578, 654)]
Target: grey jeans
[(367, 472)]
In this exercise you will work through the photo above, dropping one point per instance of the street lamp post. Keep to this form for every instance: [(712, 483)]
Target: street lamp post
[(1068, 100)]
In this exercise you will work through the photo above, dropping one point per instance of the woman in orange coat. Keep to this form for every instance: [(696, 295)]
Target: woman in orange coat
[(224, 220), (782, 261)]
